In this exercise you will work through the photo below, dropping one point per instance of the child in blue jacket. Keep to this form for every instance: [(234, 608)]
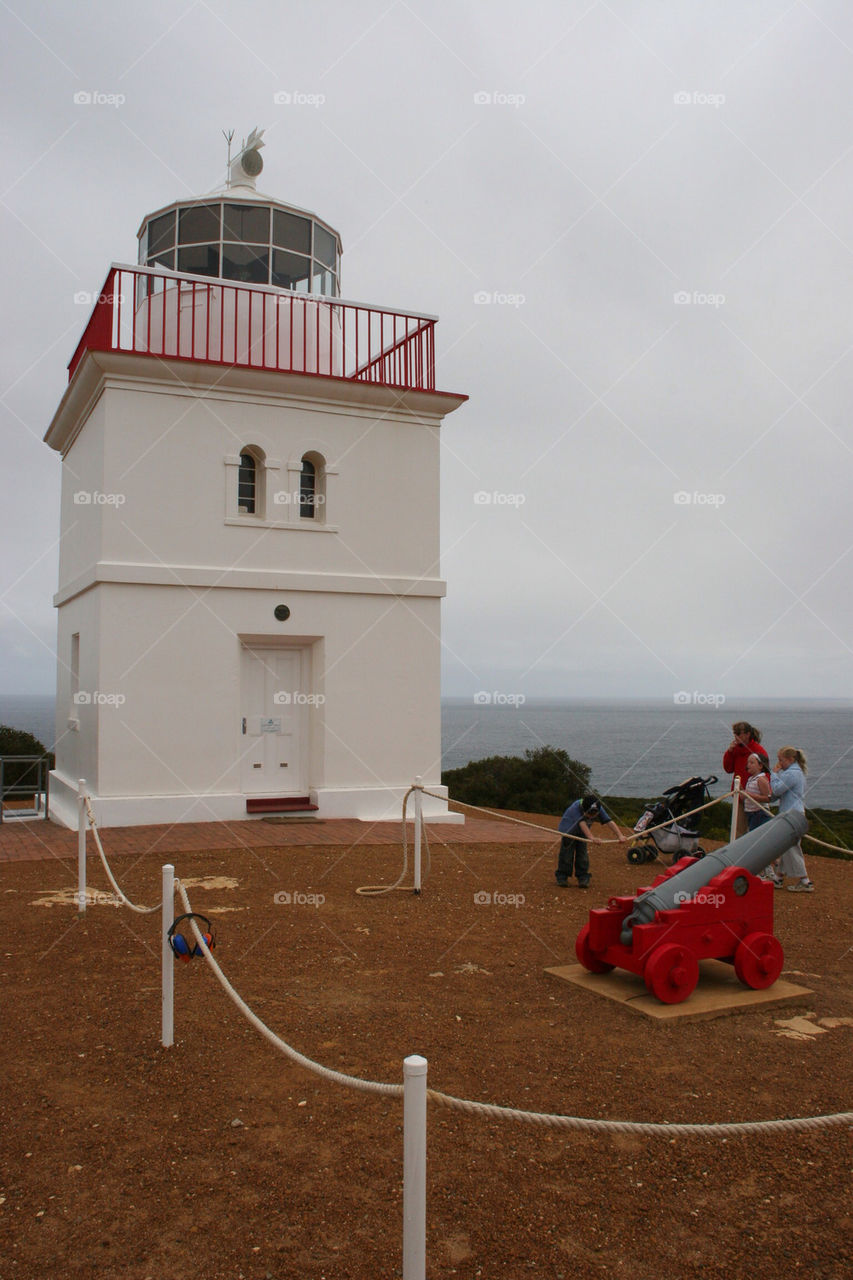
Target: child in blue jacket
[(574, 852)]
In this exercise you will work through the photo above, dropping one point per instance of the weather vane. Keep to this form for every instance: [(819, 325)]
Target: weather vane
[(247, 164), (228, 136)]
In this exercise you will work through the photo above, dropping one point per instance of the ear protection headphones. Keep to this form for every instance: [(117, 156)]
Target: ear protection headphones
[(185, 948)]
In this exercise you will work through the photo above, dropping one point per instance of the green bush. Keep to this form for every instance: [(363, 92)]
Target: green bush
[(545, 780), (17, 742)]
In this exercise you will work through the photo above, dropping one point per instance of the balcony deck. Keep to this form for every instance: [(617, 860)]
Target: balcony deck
[(173, 316)]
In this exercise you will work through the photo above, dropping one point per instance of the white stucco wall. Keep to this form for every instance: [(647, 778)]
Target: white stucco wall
[(167, 584)]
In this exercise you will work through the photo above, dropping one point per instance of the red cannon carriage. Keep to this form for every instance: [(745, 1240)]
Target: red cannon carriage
[(715, 907)]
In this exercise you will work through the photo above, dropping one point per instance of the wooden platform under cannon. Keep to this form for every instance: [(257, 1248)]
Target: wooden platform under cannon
[(718, 993)]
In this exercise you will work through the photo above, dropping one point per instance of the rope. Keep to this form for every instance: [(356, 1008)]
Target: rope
[(144, 911), (353, 1082), (539, 827), (378, 890), (725, 1130), (836, 848), (540, 1119)]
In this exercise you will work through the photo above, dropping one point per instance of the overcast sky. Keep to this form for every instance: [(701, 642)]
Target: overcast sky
[(634, 221)]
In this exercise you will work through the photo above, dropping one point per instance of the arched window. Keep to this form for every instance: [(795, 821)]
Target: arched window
[(308, 490), (247, 483), (251, 482), (312, 488)]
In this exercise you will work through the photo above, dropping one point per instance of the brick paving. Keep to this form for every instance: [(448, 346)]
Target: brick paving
[(29, 841)]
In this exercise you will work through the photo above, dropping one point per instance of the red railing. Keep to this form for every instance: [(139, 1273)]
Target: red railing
[(181, 317)]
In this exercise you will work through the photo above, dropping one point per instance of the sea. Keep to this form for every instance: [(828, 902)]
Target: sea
[(640, 747), (633, 747)]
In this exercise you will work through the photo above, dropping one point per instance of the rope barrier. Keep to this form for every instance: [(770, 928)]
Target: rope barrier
[(726, 1129), (339, 1077), (539, 1119), (553, 830), (469, 1106), (838, 848), (378, 890), (144, 911)]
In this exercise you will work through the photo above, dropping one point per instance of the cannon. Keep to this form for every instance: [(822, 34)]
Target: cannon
[(715, 907)]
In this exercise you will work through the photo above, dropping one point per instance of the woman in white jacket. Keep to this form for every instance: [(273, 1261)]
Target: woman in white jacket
[(788, 785)]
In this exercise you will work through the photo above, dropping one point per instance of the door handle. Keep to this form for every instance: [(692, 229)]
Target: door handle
[(244, 724)]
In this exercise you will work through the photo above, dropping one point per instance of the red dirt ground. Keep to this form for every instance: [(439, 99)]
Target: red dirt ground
[(121, 1159)]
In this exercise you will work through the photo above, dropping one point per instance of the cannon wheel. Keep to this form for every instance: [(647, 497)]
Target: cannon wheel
[(671, 973), (758, 960), (586, 956)]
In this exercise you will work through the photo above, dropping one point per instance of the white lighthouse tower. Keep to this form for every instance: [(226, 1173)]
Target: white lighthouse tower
[(249, 584)]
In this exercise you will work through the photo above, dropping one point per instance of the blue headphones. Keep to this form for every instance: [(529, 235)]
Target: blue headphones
[(185, 948)]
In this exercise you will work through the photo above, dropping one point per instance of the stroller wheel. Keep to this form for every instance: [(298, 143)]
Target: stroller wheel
[(636, 856)]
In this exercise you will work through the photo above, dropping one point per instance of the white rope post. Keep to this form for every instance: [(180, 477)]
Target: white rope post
[(168, 962), (414, 1166), (418, 829), (81, 845), (735, 809)]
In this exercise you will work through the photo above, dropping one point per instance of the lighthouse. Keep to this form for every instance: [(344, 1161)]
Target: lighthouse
[(249, 583)]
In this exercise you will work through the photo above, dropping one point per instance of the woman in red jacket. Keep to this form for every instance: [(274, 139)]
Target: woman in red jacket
[(746, 742)]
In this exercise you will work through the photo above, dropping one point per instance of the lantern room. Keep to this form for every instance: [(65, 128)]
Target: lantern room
[(236, 233)]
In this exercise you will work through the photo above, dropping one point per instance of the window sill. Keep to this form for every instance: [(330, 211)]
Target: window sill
[(256, 522)]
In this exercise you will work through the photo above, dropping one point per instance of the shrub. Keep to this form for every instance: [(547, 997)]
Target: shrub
[(544, 780), (17, 742)]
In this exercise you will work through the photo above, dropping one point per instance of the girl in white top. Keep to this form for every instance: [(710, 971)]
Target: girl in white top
[(758, 791)]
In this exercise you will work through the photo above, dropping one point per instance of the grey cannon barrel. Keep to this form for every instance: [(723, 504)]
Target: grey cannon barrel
[(753, 852)]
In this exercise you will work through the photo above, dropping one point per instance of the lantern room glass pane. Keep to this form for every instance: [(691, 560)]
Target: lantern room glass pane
[(161, 233), (199, 222), (291, 232), (325, 247), (324, 281), (199, 260), (245, 262), (163, 260), (246, 223), (291, 271)]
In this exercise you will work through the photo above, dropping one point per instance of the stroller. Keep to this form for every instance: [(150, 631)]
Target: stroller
[(677, 838)]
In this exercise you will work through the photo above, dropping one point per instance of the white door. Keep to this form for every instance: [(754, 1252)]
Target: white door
[(273, 738)]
